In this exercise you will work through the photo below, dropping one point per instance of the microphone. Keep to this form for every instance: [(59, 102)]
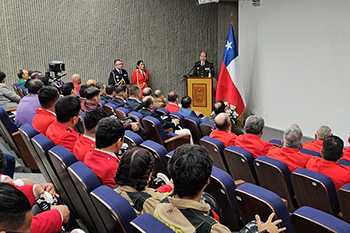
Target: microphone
[(186, 75)]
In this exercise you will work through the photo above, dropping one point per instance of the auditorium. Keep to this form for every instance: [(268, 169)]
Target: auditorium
[(174, 116)]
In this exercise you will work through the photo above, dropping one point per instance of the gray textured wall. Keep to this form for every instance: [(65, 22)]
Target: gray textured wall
[(88, 35)]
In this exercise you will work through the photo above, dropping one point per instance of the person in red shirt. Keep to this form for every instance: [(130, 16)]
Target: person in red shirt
[(16, 215), (45, 115), (346, 152), (76, 79), (321, 134), (251, 141), (173, 98), (223, 130), (328, 165), (86, 142), (289, 153), (103, 159), (67, 115)]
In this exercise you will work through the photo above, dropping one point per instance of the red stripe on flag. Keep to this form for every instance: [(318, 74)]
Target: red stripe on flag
[(226, 90)]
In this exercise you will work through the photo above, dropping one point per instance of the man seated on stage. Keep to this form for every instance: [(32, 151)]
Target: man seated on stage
[(25, 112), (219, 107), (251, 141), (15, 212), (133, 103), (103, 159), (45, 115), (68, 89), (223, 130), (159, 99), (86, 142), (289, 153), (321, 134), (190, 168), (328, 165), (185, 110), (147, 110), (76, 79), (173, 98), (203, 68), (61, 132)]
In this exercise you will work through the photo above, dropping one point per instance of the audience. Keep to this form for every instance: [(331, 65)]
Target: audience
[(173, 98), (25, 112), (76, 79), (251, 141), (45, 115), (133, 103), (92, 95), (132, 178), (328, 165), (223, 130), (185, 110), (289, 153), (82, 90), (147, 92), (103, 159), (68, 89), (8, 99), (321, 134), (61, 132), (159, 99), (16, 215), (86, 142), (23, 77), (219, 107), (91, 82), (111, 95), (122, 94), (102, 88)]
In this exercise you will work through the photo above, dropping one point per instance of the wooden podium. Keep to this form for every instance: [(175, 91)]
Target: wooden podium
[(200, 89)]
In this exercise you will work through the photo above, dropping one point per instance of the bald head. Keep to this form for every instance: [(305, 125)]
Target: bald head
[(147, 102), (222, 122), (147, 91), (91, 82), (76, 79), (158, 93)]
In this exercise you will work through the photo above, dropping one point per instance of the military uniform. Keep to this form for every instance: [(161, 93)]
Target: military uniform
[(203, 70), (184, 215), (142, 202), (116, 78)]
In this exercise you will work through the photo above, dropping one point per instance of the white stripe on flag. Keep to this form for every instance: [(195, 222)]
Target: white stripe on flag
[(233, 69)]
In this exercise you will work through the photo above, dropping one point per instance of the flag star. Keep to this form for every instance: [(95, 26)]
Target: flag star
[(228, 45)]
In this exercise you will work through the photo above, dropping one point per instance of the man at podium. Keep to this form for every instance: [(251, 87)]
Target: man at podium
[(203, 68)]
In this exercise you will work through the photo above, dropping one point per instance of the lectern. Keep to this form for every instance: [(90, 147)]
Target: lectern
[(201, 90)]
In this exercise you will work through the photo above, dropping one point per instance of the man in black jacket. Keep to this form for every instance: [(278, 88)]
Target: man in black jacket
[(203, 68), (118, 76)]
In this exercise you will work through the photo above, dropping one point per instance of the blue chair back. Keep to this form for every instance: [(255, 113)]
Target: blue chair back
[(308, 219), (148, 223), (159, 153), (164, 136), (192, 123), (253, 199), (132, 139), (316, 190), (111, 105), (310, 152), (276, 142), (179, 116), (115, 211), (126, 111), (102, 102), (163, 111), (207, 127)]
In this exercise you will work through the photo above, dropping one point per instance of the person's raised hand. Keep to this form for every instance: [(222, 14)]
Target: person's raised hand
[(270, 226)]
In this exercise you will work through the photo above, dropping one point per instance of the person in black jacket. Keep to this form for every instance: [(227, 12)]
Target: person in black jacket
[(118, 76), (203, 68)]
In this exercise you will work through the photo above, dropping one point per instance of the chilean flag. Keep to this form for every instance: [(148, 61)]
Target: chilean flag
[(230, 85)]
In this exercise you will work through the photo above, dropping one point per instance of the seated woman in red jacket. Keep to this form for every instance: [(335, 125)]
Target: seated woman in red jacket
[(140, 76)]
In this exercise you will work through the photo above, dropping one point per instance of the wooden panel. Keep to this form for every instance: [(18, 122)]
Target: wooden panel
[(201, 92)]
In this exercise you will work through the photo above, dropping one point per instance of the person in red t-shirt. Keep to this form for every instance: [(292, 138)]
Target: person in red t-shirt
[(16, 215), (251, 141), (289, 153), (321, 134), (67, 115), (103, 159), (86, 142), (173, 98), (223, 130), (45, 115), (328, 165)]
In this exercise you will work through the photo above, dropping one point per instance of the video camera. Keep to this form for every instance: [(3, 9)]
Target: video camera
[(56, 67)]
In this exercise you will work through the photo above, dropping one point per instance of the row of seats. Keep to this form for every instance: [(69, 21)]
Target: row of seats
[(20, 90)]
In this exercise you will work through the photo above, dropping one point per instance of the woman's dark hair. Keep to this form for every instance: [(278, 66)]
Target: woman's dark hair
[(134, 168), (138, 63)]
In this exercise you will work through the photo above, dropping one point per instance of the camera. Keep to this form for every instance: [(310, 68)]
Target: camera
[(56, 66)]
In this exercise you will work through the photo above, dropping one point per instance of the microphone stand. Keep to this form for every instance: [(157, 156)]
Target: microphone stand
[(186, 75)]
